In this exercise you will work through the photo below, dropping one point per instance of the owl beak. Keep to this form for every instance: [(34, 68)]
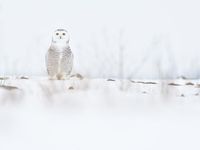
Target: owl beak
[(60, 37)]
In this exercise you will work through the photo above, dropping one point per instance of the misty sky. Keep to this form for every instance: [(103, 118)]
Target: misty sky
[(26, 28)]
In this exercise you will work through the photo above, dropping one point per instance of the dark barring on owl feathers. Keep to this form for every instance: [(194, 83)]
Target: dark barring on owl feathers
[(59, 57)]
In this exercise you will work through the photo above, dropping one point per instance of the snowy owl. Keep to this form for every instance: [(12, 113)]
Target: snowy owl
[(59, 58)]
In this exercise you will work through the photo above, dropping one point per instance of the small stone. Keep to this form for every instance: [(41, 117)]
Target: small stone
[(4, 78), (146, 82), (182, 77), (110, 80), (79, 76), (189, 83), (8, 87), (71, 88), (24, 77), (182, 95), (174, 84)]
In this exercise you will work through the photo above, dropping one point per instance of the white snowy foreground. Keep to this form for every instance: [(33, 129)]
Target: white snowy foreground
[(99, 114)]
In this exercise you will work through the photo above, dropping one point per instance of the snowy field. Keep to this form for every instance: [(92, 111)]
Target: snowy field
[(149, 40), (96, 114)]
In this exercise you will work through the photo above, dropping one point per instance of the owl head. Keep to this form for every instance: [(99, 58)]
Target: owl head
[(60, 36)]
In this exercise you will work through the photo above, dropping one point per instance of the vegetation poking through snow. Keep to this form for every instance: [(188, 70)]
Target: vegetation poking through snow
[(7, 87)]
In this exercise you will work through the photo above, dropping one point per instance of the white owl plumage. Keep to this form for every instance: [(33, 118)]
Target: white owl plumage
[(59, 57)]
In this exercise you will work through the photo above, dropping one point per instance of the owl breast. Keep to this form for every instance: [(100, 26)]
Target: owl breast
[(59, 61)]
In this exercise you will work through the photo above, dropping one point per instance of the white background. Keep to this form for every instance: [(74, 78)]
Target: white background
[(160, 37)]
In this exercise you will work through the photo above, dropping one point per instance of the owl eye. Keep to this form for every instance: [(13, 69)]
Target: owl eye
[(57, 33), (63, 33)]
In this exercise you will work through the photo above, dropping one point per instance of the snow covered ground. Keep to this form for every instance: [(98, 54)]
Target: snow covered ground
[(123, 39), (96, 114)]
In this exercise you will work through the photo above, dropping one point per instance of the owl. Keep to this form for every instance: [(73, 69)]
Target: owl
[(59, 57)]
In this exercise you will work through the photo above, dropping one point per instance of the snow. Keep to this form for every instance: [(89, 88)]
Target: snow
[(140, 60), (99, 114)]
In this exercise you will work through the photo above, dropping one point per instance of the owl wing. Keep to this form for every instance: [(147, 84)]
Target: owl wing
[(67, 61), (46, 60), (52, 59)]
